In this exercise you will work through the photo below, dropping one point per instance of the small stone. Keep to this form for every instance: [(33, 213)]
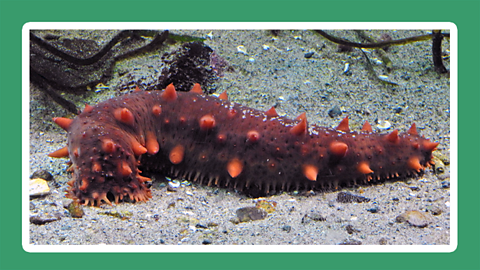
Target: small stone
[(316, 217), (445, 184), (43, 174), (334, 112), (200, 226), (75, 209), (309, 54), (206, 242), (38, 187), (44, 218), (287, 228), (123, 215), (351, 242), (397, 110), (383, 124), (415, 218), (373, 210), (345, 197), (435, 210), (246, 214), (382, 241), (350, 229), (266, 205)]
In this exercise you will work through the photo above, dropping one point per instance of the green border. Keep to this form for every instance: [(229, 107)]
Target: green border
[(15, 13)]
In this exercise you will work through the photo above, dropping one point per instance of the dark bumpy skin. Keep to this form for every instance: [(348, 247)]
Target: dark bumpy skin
[(217, 142)]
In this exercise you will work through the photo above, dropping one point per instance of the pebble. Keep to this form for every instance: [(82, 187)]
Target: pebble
[(334, 112), (345, 197), (287, 228), (445, 184), (266, 205), (314, 216), (309, 54), (383, 124), (350, 242), (75, 209), (38, 187), (43, 174), (415, 218), (242, 49), (350, 229), (42, 219), (251, 213)]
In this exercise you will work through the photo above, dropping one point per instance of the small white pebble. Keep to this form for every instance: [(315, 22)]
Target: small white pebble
[(210, 35), (242, 49), (383, 124), (265, 47), (251, 60), (298, 37)]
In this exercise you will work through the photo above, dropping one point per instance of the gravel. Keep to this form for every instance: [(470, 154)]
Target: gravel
[(281, 75)]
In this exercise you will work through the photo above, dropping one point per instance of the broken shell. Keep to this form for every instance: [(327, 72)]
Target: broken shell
[(384, 124), (242, 49), (38, 187)]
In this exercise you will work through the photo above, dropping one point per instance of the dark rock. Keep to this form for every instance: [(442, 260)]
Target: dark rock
[(43, 174), (382, 241), (43, 219), (206, 242), (287, 228), (345, 197), (350, 242), (201, 226), (350, 229), (373, 210), (445, 184), (246, 214), (334, 112), (309, 55), (397, 110)]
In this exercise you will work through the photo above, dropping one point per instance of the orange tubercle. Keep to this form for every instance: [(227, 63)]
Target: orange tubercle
[(338, 148), (63, 122), (62, 152), (223, 96), (124, 115), (234, 167), (152, 143), (343, 126), (197, 89), (311, 172), (207, 122), (271, 112), (169, 93), (177, 154), (364, 168), (300, 128)]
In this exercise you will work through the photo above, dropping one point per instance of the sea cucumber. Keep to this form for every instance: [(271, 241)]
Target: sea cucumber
[(213, 141)]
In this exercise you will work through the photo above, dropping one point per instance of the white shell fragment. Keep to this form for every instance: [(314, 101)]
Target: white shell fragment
[(38, 187), (210, 35), (346, 68), (384, 124), (242, 49)]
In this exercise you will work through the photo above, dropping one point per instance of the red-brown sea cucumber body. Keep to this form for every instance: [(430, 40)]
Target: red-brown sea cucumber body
[(217, 142)]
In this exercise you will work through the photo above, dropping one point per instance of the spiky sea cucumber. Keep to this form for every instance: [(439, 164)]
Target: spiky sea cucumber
[(214, 141)]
